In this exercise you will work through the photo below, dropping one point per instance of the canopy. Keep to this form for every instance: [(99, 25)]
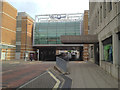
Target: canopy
[(6, 46)]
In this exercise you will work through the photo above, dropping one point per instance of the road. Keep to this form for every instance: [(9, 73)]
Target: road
[(82, 75), (16, 73)]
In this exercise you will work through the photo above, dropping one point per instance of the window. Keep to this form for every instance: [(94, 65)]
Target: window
[(98, 18), (110, 7), (101, 14), (108, 50), (48, 33), (18, 47), (18, 36), (19, 23), (119, 35), (104, 9), (91, 51)]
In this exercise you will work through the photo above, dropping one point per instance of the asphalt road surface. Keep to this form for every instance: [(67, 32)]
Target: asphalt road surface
[(17, 73)]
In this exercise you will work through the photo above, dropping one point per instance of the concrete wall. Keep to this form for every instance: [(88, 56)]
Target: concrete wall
[(105, 23)]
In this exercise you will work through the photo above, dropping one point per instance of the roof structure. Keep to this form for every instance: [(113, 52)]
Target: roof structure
[(59, 17)]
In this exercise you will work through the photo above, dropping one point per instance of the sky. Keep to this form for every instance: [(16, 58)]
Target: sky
[(38, 7)]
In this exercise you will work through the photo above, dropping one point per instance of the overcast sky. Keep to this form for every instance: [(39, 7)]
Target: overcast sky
[(37, 7)]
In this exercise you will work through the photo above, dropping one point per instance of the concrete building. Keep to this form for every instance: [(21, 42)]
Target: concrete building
[(24, 33), (85, 32), (104, 20), (7, 31)]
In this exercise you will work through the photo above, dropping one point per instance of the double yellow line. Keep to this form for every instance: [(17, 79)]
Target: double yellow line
[(57, 80)]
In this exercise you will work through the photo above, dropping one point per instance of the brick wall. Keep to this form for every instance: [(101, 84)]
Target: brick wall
[(8, 28), (85, 32), (25, 38)]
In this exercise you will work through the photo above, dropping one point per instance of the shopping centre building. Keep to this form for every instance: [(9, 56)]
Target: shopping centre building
[(48, 29)]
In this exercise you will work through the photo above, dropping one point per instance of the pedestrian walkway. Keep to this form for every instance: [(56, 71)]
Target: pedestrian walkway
[(89, 75)]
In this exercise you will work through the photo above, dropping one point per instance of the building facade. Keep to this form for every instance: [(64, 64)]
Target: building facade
[(7, 31), (24, 33), (48, 30), (104, 20)]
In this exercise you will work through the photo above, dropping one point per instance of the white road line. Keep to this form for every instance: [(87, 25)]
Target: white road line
[(58, 81), (31, 81), (7, 71)]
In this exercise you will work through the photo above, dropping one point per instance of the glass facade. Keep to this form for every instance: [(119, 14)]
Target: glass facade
[(50, 32)]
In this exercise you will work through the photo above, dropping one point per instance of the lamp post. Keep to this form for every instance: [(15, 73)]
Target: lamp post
[(26, 52)]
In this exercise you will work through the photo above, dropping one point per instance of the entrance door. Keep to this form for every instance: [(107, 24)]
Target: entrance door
[(119, 46), (96, 51), (17, 55), (81, 53), (47, 53)]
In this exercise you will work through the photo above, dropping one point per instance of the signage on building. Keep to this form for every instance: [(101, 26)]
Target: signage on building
[(57, 16)]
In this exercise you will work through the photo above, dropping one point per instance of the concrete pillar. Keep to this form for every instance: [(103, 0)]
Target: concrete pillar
[(118, 52), (6, 54), (38, 52), (115, 49), (101, 51)]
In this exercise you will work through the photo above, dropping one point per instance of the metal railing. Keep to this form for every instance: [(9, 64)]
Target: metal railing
[(62, 64)]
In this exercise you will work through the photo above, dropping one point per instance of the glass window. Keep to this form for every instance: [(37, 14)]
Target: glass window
[(50, 32)]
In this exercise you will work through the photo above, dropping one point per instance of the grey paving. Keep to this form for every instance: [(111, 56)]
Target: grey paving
[(44, 81), (65, 82), (62, 64), (89, 75)]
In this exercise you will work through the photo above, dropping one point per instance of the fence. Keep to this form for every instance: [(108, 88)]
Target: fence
[(61, 64)]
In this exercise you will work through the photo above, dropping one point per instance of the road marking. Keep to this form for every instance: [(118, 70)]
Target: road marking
[(31, 81), (58, 81), (7, 71)]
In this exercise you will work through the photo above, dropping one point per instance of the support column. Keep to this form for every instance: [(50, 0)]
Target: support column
[(101, 52), (115, 49), (118, 51), (38, 51), (6, 54)]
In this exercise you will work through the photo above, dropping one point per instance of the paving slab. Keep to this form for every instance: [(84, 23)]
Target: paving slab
[(89, 75)]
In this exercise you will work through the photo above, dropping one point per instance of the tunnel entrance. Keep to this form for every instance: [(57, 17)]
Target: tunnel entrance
[(50, 53), (47, 54)]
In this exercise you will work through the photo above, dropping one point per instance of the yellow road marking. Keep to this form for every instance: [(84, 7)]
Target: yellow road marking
[(58, 81)]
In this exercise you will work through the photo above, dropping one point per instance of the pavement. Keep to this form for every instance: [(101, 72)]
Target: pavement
[(49, 79), (89, 75), (36, 74)]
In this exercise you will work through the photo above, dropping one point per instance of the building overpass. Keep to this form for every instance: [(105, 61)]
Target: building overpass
[(82, 39)]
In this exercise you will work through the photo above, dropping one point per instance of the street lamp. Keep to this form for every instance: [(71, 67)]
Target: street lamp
[(26, 52)]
